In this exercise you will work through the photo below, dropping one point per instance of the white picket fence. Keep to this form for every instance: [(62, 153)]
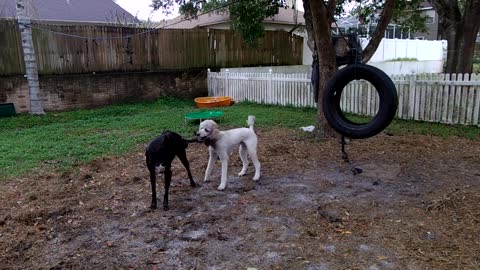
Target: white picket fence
[(440, 98)]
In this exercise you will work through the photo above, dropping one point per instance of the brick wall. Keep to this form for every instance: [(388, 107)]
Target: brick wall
[(15, 90), (66, 92)]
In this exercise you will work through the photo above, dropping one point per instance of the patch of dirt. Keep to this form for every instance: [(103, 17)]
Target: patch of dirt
[(415, 206)]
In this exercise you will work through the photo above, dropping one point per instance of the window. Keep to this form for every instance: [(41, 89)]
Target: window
[(429, 20), (430, 16)]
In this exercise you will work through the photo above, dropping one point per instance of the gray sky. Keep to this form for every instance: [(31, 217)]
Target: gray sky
[(142, 9)]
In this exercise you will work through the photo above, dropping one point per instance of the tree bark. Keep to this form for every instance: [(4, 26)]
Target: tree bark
[(321, 19), (318, 19), (379, 32), (460, 32), (307, 15)]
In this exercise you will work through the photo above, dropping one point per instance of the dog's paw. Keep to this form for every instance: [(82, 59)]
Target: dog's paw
[(255, 178), (221, 187), (153, 206), (206, 180), (242, 173)]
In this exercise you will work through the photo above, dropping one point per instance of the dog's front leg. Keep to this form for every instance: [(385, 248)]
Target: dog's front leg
[(211, 160), (223, 181), (168, 179)]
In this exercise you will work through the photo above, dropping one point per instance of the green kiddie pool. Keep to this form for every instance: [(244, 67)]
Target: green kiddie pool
[(203, 115)]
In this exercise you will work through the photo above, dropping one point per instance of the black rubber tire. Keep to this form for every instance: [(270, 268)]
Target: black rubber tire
[(387, 96)]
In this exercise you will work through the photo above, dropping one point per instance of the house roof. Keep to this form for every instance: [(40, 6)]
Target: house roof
[(284, 16), (425, 5), (71, 10)]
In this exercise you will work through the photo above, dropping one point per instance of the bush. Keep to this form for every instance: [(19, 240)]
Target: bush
[(476, 68)]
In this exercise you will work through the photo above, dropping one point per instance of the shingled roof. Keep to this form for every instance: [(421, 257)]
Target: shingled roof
[(71, 10), (284, 16)]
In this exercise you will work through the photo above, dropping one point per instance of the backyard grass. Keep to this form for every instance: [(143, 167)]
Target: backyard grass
[(403, 59), (68, 138)]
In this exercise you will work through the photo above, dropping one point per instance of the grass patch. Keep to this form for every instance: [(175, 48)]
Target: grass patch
[(406, 127), (403, 59), (76, 137), (80, 136)]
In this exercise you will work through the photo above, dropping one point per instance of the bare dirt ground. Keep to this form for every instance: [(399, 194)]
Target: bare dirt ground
[(415, 206)]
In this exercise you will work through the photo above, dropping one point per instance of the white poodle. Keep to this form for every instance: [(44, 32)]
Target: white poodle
[(220, 144)]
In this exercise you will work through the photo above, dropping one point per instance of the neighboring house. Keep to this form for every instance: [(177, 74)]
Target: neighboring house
[(432, 23), (92, 11), (395, 31), (434, 31), (287, 19)]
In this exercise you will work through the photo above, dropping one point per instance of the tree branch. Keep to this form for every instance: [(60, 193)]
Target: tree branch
[(331, 5), (378, 34)]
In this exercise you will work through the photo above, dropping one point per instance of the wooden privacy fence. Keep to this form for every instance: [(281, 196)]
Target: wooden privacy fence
[(440, 98), (75, 49)]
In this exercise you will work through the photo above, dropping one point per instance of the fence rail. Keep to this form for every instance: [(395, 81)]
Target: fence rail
[(107, 48), (440, 98)]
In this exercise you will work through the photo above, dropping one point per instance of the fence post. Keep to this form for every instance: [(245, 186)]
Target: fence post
[(411, 96), (269, 86), (476, 103), (29, 57), (225, 87), (209, 83)]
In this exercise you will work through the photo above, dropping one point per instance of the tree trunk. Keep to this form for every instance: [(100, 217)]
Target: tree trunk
[(466, 42), (307, 15), (318, 23), (321, 19), (460, 32)]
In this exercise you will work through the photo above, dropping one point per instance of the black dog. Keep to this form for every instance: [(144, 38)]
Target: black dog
[(159, 154)]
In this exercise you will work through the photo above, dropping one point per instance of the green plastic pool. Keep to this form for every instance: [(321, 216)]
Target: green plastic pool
[(203, 115)]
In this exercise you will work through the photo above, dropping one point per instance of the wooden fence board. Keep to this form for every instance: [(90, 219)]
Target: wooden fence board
[(112, 48)]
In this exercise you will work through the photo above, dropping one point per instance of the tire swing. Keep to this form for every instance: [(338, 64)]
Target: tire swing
[(387, 97), (355, 70)]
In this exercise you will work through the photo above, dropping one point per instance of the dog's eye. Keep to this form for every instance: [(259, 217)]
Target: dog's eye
[(206, 130)]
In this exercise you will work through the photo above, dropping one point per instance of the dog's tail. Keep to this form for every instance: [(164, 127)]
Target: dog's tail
[(251, 121)]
